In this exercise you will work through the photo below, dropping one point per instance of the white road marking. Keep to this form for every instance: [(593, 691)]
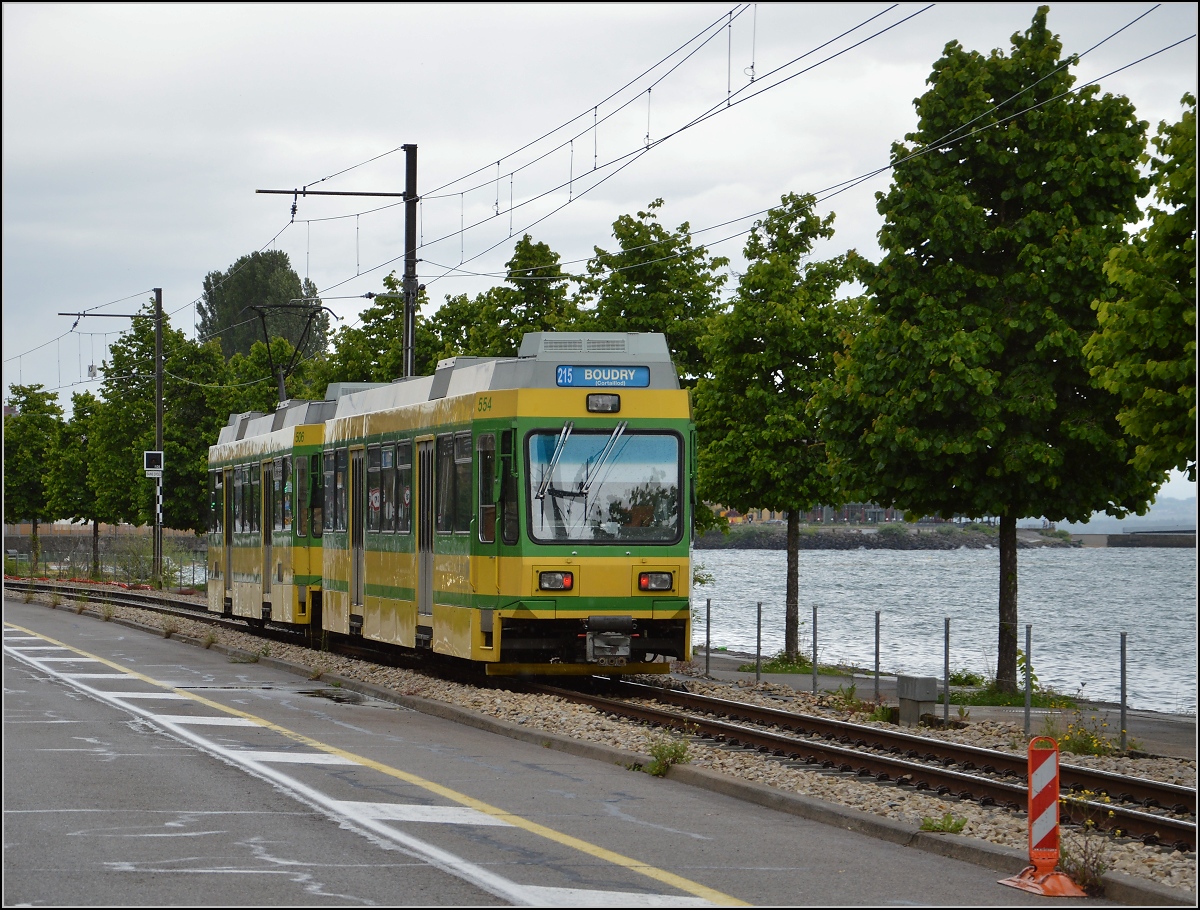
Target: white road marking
[(123, 695), (209, 721), (409, 812), (286, 758)]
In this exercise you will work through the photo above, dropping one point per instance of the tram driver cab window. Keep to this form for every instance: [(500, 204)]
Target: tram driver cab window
[(486, 446)]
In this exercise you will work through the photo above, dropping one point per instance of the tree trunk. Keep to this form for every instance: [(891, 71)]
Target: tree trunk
[(791, 626), (95, 548), (1006, 655), (35, 549)]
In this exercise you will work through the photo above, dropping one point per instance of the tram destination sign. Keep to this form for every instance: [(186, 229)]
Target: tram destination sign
[(591, 377)]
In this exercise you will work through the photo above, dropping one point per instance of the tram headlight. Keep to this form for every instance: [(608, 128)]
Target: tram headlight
[(603, 403), (655, 581), (556, 581)]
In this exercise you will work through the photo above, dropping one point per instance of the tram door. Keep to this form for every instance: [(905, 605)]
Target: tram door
[(268, 515), (357, 554), (424, 529), (228, 525)]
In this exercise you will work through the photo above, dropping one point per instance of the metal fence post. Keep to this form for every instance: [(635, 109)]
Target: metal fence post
[(708, 638), (1123, 692), (946, 683), (876, 657), (1028, 674), (758, 648), (814, 662)]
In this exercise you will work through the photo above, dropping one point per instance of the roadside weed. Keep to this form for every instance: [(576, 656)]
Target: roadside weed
[(948, 824)]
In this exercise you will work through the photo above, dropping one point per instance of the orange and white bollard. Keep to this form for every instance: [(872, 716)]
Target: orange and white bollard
[(1039, 876)]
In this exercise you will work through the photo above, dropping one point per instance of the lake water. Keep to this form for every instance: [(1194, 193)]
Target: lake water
[(1077, 600)]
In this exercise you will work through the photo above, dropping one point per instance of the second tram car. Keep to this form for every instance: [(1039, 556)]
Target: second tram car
[(531, 514)]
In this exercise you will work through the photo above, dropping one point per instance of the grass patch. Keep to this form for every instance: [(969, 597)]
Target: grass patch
[(948, 824), (169, 627), (106, 612), (210, 639), (666, 750), (780, 664), (991, 695), (966, 678)]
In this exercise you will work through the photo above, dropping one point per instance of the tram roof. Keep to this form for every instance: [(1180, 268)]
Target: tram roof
[(535, 367)]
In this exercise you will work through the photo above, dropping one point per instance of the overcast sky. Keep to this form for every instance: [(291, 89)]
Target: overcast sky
[(135, 136)]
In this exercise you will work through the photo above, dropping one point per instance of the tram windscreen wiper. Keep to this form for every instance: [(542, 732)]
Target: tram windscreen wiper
[(604, 456), (563, 436)]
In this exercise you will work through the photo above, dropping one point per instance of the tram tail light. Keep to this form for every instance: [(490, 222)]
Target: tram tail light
[(556, 581), (654, 581)]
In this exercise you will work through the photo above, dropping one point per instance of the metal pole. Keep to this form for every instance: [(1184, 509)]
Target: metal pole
[(1028, 674), (410, 259), (946, 681), (158, 432), (708, 638), (814, 662), (1123, 728), (758, 651), (876, 657)]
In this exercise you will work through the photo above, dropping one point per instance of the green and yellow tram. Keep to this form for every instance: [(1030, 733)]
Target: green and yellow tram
[(531, 514)]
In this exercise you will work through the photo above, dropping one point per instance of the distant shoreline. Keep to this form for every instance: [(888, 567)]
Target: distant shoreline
[(945, 537)]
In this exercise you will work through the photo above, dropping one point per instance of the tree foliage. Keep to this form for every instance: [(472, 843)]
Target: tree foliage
[(262, 279), (373, 350), (967, 390), (657, 281), (29, 436), (68, 488), (1145, 349), (768, 354)]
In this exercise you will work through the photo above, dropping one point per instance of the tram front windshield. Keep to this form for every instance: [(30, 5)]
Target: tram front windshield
[(604, 487)]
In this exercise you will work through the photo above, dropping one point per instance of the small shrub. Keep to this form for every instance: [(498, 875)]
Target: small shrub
[(55, 599), (106, 612), (885, 714), (779, 664), (210, 638), (947, 823), (169, 627), (666, 750), (966, 678), (80, 604), (1081, 850), (316, 673), (892, 530)]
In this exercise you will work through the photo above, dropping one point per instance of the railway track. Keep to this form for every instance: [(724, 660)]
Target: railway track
[(1151, 811)]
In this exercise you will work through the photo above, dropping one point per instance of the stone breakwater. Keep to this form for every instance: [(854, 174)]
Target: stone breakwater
[(1161, 865), (774, 537)]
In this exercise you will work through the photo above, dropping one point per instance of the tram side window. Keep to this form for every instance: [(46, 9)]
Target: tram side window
[(508, 492), (374, 490), (341, 477), (300, 492), (330, 498), (462, 482), (404, 487), (212, 502), (255, 497), (387, 493), (316, 500), (486, 445), (287, 492), (444, 498), (277, 498), (239, 491)]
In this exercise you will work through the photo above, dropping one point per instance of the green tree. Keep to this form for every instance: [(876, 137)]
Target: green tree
[(656, 282), (967, 392), (197, 394), (265, 280), (1145, 350), (68, 488), (373, 350), (30, 434), (768, 354), (493, 323)]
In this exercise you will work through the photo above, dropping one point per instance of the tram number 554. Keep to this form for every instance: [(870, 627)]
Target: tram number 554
[(483, 403)]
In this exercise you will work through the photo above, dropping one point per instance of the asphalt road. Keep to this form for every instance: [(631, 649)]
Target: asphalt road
[(141, 771)]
